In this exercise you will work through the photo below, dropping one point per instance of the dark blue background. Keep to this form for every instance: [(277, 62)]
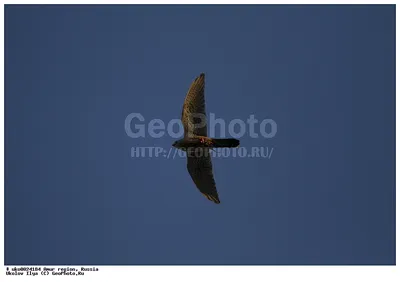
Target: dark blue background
[(325, 74)]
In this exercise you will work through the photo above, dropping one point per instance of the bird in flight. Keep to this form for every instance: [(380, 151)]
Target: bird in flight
[(195, 142)]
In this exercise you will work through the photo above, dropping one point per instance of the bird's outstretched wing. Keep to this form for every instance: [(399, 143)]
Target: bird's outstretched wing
[(194, 110), (200, 169)]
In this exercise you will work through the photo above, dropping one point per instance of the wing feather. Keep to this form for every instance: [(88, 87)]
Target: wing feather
[(194, 110), (200, 169)]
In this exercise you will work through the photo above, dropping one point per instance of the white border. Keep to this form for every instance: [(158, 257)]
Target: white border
[(208, 273)]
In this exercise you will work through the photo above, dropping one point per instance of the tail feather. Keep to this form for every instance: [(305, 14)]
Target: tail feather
[(227, 142)]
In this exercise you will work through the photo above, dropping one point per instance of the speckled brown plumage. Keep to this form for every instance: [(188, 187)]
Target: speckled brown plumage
[(196, 143), (199, 165)]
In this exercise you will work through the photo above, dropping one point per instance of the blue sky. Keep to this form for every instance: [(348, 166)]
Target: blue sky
[(324, 74)]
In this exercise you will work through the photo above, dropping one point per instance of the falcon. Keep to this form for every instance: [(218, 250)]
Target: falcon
[(195, 142)]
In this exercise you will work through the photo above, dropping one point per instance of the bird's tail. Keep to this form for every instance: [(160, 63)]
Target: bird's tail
[(228, 142)]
